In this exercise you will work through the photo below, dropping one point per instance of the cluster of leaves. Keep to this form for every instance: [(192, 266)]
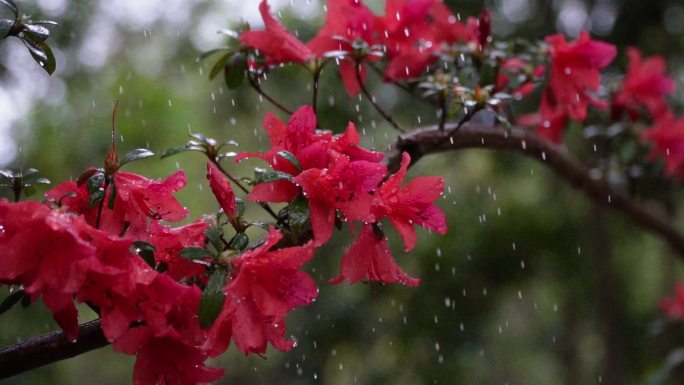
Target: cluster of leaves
[(32, 33)]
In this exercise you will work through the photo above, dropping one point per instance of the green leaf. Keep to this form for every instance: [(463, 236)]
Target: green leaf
[(145, 251), (41, 53), (240, 205), (290, 158), (5, 27), (11, 5), (212, 52), (298, 215), (11, 300), (37, 32), (239, 242), (95, 198), (215, 237), (235, 69), (95, 181), (173, 151), (85, 175), (218, 67), (196, 253), (137, 154), (262, 176), (212, 298)]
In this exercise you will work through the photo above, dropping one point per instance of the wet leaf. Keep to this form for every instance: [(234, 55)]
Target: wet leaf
[(173, 151), (11, 300), (11, 5), (95, 182), (196, 253), (37, 32), (235, 69), (290, 158), (137, 154), (145, 251), (215, 237), (212, 52), (218, 66), (239, 242), (240, 205), (212, 298), (5, 27), (41, 53), (262, 176), (85, 175)]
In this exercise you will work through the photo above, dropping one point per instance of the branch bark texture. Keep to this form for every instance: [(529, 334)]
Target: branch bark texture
[(430, 140), (49, 348)]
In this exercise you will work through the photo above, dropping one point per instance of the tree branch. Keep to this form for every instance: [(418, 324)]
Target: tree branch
[(429, 140), (49, 348), (419, 142)]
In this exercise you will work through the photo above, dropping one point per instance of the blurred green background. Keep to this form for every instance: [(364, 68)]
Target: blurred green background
[(532, 285)]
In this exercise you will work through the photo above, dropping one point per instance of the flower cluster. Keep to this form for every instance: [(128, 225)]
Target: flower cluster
[(411, 35), (342, 181), (175, 296)]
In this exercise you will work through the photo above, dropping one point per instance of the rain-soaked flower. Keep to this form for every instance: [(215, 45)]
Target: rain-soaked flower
[(574, 74), (265, 285), (645, 87)]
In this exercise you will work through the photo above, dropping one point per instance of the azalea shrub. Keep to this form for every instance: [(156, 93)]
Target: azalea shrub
[(176, 295)]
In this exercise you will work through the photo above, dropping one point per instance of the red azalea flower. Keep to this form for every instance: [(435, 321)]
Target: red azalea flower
[(265, 285), (646, 85), (312, 149), (667, 138), (574, 72), (167, 361), (412, 204), (344, 186), (170, 241), (522, 71), (43, 250), (297, 138), (222, 191), (137, 199), (140, 198), (370, 259), (413, 32), (276, 42), (350, 20), (673, 306)]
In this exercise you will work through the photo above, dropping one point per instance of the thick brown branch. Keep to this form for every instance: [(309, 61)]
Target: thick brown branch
[(428, 140), (49, 348)]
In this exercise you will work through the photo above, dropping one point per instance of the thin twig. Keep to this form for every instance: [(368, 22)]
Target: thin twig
[(255, 84), (314, 102), (370, 98)]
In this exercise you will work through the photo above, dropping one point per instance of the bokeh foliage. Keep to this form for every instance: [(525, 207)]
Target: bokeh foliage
[(532, 285)]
